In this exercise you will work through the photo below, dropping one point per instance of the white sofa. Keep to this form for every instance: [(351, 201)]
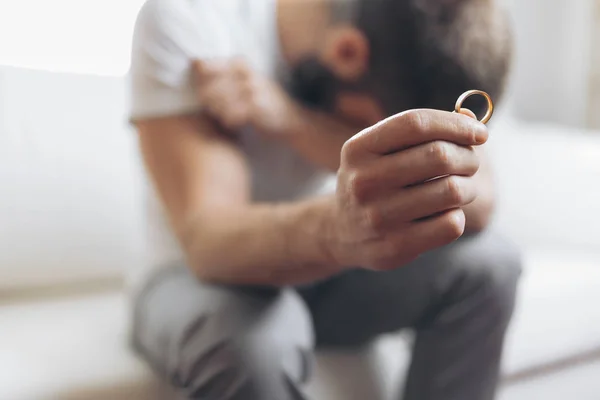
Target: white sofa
[(70, 223)]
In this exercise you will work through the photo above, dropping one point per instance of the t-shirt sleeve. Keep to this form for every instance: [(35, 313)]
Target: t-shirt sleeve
[(167, 36)]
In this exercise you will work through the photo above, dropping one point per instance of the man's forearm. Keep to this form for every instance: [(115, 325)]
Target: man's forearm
[(319, 137), (262, 244)]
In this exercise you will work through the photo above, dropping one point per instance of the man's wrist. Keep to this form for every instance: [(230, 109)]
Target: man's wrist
[(316, 229)]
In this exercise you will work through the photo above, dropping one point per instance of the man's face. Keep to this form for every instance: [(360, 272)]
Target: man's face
[(314, 84), (429, 66), (333, 80)]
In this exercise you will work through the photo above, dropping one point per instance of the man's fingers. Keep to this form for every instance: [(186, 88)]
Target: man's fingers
[(225, 91), (468, 113), (236, 118), (423, 201), (413, 128), (418, 238), (418, 164), (236, 67), (220, 80), (431, 160), (231, 89), (239, 67), (217, 94), (225, 101), (436, 231), (206, 69)]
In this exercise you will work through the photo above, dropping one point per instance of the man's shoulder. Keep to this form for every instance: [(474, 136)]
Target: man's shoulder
[(156, 14), (157, 10), (197, 24)]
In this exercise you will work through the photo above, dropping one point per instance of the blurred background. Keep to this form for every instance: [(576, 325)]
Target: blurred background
[(71, 214)]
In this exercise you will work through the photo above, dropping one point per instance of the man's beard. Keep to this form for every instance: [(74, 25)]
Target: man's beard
[(313, 84)]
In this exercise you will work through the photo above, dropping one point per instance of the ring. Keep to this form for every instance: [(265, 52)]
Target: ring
[(465, 95)]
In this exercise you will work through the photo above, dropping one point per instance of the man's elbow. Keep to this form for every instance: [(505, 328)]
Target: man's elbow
[(203, 263)]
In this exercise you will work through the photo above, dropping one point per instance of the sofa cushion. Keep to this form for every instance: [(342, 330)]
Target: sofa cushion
[(76, 348), (67, 349), (580, 382), (557, 312), (548, 189)]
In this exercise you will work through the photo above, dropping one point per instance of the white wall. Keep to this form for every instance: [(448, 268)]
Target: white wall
[(87, 36), (594, 108), (552, 68), (68, 183)]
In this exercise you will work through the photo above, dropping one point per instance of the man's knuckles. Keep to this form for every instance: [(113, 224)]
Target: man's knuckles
[(359, 186), (454, 191), (441, 155), (386, 134), (415, 122)]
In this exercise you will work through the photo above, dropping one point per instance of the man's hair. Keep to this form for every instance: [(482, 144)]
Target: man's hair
[(426, 53)]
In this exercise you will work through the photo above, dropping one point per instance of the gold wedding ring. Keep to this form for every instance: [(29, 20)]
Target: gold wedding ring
[(465, 95)]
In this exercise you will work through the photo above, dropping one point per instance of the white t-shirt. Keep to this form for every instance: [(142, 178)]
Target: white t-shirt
[(168, 35)]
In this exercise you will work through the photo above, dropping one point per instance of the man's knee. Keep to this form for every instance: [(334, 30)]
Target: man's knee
[(487, 268), (213, 372), (244, 360), (231, 368)]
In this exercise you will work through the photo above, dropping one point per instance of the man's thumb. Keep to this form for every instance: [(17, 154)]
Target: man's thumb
[(468, 113)]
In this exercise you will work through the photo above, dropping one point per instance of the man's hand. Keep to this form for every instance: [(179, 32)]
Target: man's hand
[(401, 188), (237, 97)]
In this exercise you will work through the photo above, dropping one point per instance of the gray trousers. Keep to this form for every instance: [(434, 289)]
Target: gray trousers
[(255, 343)]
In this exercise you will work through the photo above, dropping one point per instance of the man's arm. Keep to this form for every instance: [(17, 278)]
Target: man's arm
[(200, 176), (203, 181), (318, 137), (236, 96)]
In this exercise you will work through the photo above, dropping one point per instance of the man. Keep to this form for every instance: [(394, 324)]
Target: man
[(259, 251)]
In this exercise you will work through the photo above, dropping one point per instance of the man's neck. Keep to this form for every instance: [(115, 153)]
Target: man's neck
[(301, 25)]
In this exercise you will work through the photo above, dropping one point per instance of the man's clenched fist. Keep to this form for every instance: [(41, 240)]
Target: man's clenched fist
[(401, 186)]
